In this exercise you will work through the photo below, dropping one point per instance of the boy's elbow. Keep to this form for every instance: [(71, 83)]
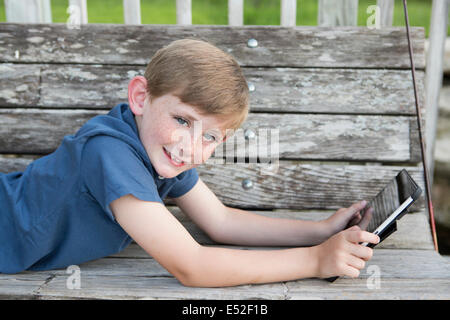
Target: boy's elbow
[(188, 281), (190, 274), (188, 278)]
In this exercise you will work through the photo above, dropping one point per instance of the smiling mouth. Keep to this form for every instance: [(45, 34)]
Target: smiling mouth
[(175, 161)]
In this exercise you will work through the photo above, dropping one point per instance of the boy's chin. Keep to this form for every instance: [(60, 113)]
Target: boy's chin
[(167, 174)]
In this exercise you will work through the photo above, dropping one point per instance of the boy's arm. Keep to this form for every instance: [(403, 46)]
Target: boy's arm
[(234, 226), (163, 237)]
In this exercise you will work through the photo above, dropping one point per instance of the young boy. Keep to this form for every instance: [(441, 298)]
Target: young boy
[(104, 186)]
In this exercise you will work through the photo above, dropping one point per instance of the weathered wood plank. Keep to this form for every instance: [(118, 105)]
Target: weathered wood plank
[(277, 46), (21, 286), (391, 263), (326, 137), (301, 186), (107, 287), (413, 231), (403, 274), (285, 136), (361, 289), (34, 126), (19, 84), (318, 90), (309, 90), (291, 185), (148, 288)]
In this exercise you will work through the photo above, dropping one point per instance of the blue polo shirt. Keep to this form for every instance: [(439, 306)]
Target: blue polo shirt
[(56, 213)]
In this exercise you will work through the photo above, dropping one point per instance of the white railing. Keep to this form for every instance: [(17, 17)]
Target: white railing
[(330, 13)]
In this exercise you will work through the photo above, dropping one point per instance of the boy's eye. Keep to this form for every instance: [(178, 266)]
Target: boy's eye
[(181, 121), (210, 138)]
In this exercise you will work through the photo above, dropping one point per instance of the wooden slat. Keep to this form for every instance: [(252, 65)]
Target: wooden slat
[(326, 137), (333, 90), (413, 230), (362, 289), (126, 287), (349, 47), (19, 84), (21, 286), (301, 186), (404, 274), (392, 263), (285, 136), (315, 90), (291, 185)]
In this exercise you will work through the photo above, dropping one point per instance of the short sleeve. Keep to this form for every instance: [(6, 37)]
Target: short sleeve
[(111, 168), (186, 181)]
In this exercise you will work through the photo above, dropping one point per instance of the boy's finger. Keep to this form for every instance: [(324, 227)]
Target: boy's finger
[(358, 206), (355, 262), (354, 221), (357, 236), (366, 219), (361, 252), (350, 271)]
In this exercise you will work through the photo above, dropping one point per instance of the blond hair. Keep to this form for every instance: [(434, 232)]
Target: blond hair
[(201, 75)]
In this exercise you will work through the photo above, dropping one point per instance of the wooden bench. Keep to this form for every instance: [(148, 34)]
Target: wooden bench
[(340, 100)]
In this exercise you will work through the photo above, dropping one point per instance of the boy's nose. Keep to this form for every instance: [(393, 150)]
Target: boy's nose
[(191, 153)]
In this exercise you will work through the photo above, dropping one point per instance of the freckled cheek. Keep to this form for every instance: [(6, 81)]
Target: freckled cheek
[(207, 152), (166, 134)]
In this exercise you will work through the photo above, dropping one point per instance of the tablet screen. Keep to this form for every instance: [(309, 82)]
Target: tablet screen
[(388, 200)]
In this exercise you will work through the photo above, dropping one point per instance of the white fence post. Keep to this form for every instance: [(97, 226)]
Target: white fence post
[(236, 12), (132, 11), (28, 11), (81, 8), (433, 76), (386, 12), (184, 12), (337, 13), (288, 13)]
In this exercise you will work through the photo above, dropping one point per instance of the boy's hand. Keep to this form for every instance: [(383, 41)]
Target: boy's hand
[(342, 255), (347, 217)]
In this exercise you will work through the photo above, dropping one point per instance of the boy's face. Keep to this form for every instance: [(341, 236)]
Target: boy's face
[(176, 136)]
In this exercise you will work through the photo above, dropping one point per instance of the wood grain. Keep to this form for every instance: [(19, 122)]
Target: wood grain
[(292, 184), (284, 136), (287, 90), (349, 47), (403, 274)]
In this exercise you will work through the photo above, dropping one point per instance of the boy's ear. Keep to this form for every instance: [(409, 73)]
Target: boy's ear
[(137, 92)]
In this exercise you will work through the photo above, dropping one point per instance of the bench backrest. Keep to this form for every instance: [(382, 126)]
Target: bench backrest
[(340, 100)]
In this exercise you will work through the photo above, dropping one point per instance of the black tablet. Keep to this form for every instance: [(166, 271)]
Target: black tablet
[(389, 205)]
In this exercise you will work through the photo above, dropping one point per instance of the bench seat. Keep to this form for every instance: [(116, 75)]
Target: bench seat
[(339, 100)]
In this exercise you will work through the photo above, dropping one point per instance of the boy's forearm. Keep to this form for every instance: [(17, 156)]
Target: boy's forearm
[(247, 228), (219, 267)]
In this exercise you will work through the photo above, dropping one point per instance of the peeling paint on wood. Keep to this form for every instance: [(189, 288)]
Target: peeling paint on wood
[(342, 46)]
